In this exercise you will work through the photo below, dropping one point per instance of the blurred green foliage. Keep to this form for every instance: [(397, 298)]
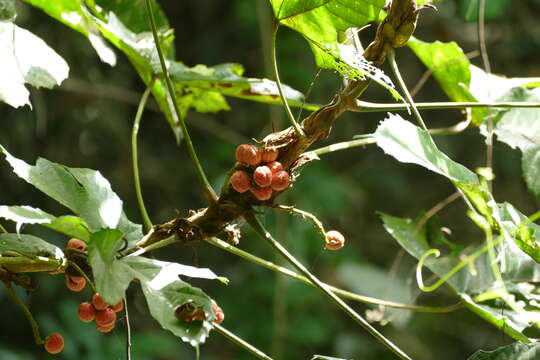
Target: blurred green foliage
[(87, 123)]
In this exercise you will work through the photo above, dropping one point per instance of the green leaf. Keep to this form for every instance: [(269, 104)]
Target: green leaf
[(86, 192), (165, 293), (29, 246), (26, 59), (112, 276), (7, 10), (321, 22), (70, 225), (525, 234), (409, 144), (530, 165), (515, 351)]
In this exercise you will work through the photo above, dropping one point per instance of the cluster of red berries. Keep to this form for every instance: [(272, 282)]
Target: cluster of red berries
[(259, 172), (99, 310), (76, 283), (334, 240), (187, 313)]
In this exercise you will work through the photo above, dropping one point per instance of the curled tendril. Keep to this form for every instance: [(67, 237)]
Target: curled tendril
[(419, 267)]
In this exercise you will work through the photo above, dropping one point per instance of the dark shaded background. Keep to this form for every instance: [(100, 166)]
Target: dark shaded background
[(87, 123)]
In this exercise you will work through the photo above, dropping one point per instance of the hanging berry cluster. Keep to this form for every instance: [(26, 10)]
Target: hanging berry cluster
[(99, 310), (76, 283), (258, 172)]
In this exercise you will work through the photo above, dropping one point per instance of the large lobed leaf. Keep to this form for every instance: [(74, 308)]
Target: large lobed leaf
[(410, 144), (26, 59)]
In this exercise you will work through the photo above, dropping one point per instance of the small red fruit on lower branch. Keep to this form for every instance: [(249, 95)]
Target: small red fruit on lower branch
[(268, 154), (75, 283), (240, 181), (118, 307), (98, 302), (275, 166), (334, 240), (76, 244), (262, 176), (248, 154), (220, 315), (105, 317), (262, 194), (280, 180), (54, 343), (86, 312)]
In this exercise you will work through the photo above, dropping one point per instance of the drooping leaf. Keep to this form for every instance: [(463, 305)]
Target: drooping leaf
[(530, 165), (322, 21), (409, 144), (7, 10), (112, 276), (69, 225), (476, 281), (26, 59), (515, 351), (86, 192), (29, 246), (165, 293)]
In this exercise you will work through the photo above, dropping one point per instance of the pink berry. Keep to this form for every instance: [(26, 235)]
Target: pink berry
[(118, 307), (86, 312), (105, 317), (240, 181), (248, 154), (76, 244), (275, 166), (268, 154), (262, 176), (54, 343), (280, 180), (218, 312), (262, 194), (334, 240), (98, 302), (75, 283)]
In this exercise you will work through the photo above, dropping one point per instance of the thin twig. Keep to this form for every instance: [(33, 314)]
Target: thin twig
[(344, 145), (438, 207), (363, 106), (128, 331), (33, 324), (134, 156), (304, 214), (83, 274), (3, 229), (241, 342), (262, 232), (209, 191)]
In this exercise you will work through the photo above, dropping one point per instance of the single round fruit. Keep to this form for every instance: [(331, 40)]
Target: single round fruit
[(269, 154), (275, 166), (105, 328), (262, 176), (98, 302), (248, 154), (118, 307), (280, 180), (76, 244), (105, 317), (54, 343), (262, 194), (220, 315), (75, 283), (86, 312), (240, 181), (334, 240)]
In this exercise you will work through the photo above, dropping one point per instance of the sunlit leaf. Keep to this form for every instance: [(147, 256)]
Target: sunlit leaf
[(515, 351), (26, 59), (409, 144), (526, 234), (530, 165)]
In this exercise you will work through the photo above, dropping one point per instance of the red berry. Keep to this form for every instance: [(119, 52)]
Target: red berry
[(86, 312), (75, 283), (334, 240), (105, 328), (280, 180), (268, 154), (54, 343), (262, 176), (98, 302), (105, 317), (76, 244), (220, 315), (240, 181), (118, 307), (262, 194), (275, 166), (248, 154)]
